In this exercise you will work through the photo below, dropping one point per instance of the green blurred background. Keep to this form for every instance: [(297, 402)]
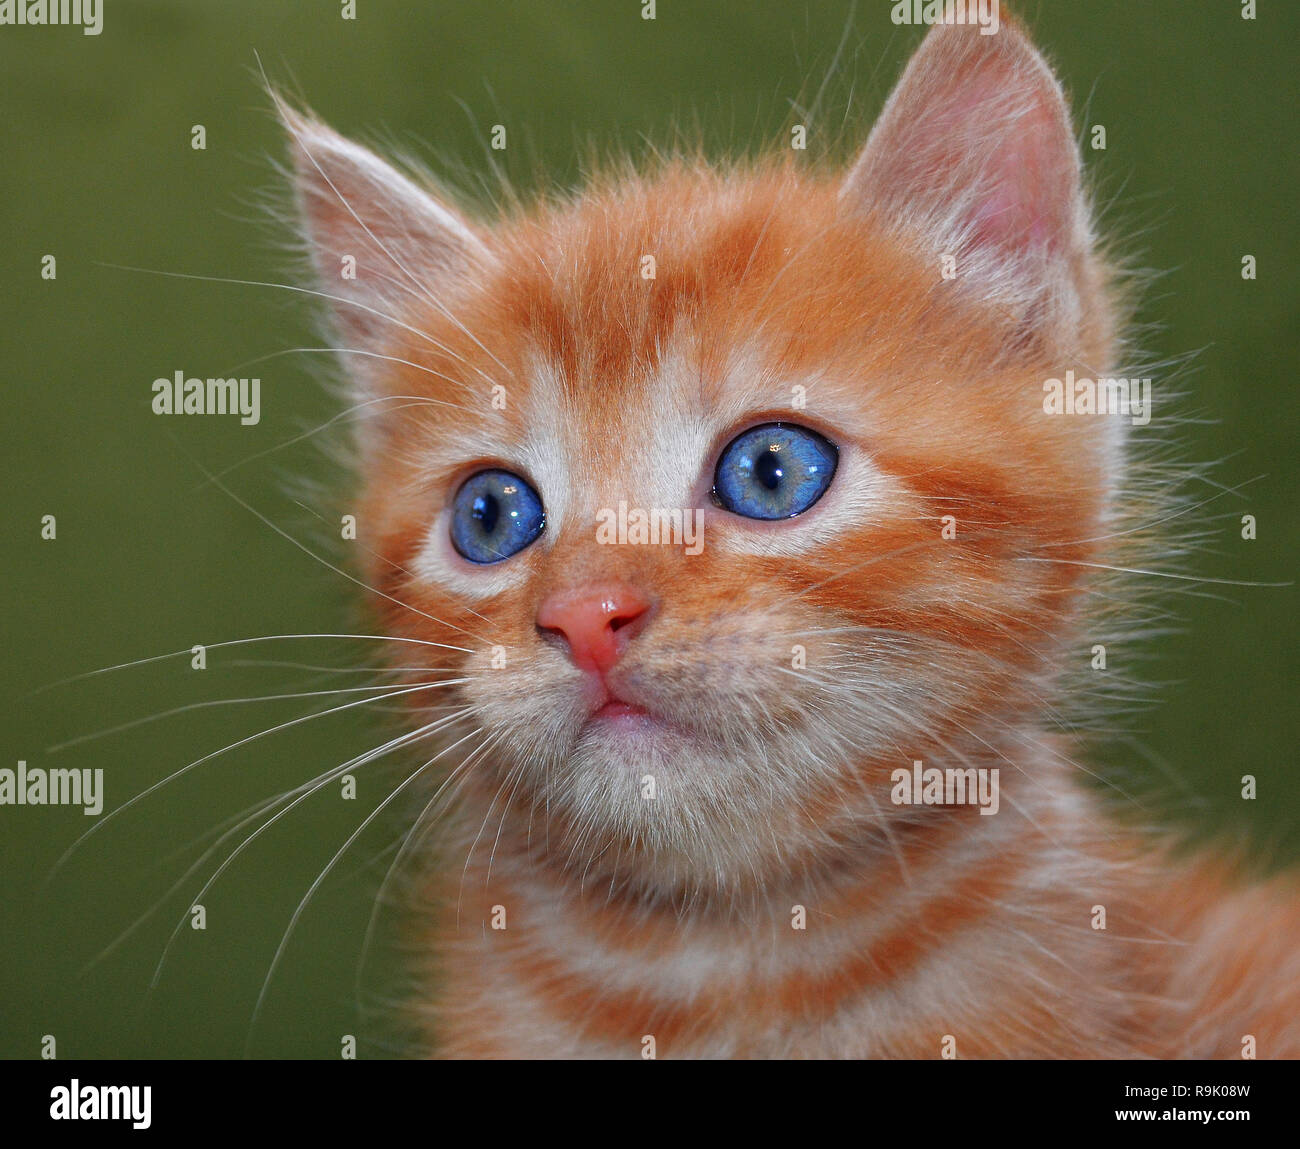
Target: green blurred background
[(97, 169)]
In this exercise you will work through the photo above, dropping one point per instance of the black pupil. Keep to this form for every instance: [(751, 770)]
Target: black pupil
[(486, 511), (767, 469)]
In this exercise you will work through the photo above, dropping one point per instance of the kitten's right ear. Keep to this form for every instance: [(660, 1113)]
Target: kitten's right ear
[(381, 244)]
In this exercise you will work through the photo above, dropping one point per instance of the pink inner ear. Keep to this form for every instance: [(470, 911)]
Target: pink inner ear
[(1027, 186), (1016, 213)]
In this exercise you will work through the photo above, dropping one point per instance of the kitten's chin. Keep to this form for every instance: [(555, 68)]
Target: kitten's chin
[(652, 806)]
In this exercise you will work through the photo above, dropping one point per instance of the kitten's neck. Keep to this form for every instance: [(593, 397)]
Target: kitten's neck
[(849, 940)]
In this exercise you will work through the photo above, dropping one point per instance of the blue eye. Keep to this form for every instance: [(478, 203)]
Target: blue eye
[(775, 471), (495, 514)]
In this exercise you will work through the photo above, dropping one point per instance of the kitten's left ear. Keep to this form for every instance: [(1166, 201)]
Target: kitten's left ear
[(974, 157), (380, 243)]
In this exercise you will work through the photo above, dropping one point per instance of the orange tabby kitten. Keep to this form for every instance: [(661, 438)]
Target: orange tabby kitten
[(732, 495)]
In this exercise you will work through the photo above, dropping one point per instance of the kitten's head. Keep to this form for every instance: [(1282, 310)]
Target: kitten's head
[(826, 391)]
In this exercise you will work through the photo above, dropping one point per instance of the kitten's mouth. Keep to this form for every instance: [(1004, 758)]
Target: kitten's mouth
[(615, 715), (616, 708)]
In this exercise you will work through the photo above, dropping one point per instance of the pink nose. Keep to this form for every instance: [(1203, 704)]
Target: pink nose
[(595, 623)]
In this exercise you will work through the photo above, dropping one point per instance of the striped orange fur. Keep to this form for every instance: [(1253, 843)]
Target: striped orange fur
[(771, 899)]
